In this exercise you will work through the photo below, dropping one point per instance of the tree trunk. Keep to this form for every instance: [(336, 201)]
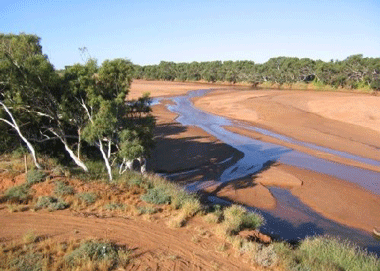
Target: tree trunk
[(15, 126), (106, 161)]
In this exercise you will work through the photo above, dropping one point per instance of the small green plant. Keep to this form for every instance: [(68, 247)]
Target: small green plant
[(62, 189), (35, 176), (237, 218), (104, 253), (51, 203), (17, 194), (87, 197), (157, 195)]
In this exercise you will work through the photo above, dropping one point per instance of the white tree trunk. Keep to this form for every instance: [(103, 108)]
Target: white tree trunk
[(142, 161), (76, 160), (16, 127), (106, 161)]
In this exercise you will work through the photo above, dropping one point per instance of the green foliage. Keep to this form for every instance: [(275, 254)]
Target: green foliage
[(157, 195), (88, 198), (35, 176), (326, 253), (28, 262), (17, 194), (237, 218), (51, 203), (62, 189), (353, 72), (95, 252)]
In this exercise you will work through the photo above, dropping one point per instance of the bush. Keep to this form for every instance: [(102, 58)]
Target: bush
[(17, 194), (328, 253), (157, 195), (237, 218), (51, 203), (62, 189), (35, 176), (95, 252), (28, 262), (88, 198)]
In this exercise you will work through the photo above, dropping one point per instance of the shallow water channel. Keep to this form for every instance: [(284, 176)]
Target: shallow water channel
[(291, 219)]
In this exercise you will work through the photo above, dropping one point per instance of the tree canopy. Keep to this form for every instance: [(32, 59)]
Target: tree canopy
[(354, 72)]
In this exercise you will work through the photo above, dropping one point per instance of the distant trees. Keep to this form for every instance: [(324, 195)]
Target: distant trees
[(353, 72), (83, 103)]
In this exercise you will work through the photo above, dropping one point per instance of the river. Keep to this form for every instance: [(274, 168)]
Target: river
[(291, 219)]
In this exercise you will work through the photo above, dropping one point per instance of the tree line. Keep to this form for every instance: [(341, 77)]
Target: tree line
[(82, 110), (353, 72)]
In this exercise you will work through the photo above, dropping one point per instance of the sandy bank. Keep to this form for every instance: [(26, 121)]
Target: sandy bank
[(185, 148), (342, 121)]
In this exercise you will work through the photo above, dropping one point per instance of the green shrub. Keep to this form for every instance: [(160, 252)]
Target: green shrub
[(35, 176), (237, 218), (328, 253), (157, 195), (92, 251), (62, 189), (51, 203), (17, 194), (88, 198), (28, 262)]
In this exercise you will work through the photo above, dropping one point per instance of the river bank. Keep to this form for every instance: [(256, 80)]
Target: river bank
[(338, 200)]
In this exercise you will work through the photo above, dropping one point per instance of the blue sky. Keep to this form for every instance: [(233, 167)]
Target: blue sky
[(147, 32)]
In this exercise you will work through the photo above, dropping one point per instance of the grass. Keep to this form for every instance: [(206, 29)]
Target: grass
[(18, 194), (47, 254), (146, 210), (87, 197), (35, 176), (328, 253), (62, 189), (237, 218), (157, 195), (51, 203), (115, 206)]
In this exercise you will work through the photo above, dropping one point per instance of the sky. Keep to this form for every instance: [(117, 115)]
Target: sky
[(147, 32)]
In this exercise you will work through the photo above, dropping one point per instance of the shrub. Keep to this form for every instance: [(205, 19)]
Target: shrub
[(35, 176), (51, 203), (328, 253), (28, 262), (88, 198), (17, 194), (62, 189), (95, 252), (265, 255), (157, 195), (237, 218)]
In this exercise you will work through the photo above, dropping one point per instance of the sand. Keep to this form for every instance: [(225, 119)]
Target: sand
[(306, 116)]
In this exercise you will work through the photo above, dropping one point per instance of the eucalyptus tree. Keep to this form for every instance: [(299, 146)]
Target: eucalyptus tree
[(120, 129), (23, 71)]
